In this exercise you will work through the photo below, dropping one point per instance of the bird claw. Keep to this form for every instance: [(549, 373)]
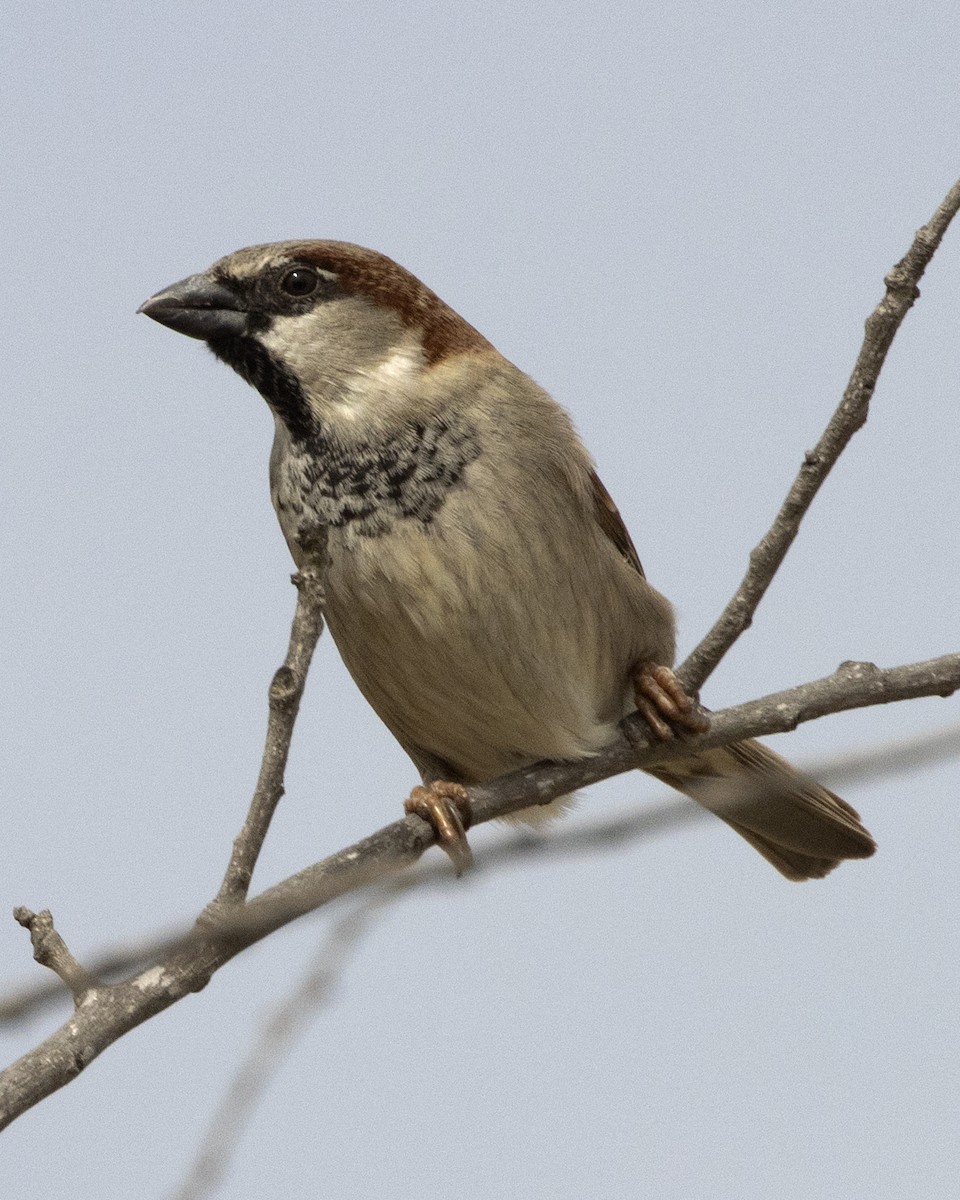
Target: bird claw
[(446, 809), (664, 705)]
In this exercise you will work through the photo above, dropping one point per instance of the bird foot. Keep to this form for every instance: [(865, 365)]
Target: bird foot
[(446, 808), (664, 705)]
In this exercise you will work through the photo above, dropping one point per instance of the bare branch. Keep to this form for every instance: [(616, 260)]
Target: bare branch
[(850, 416), (189, 966), (852, 685), (286, 691), (25, 1001), (319, 983), (878, 762)]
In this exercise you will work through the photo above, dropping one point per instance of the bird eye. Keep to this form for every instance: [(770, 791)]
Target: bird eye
[(301, 281)]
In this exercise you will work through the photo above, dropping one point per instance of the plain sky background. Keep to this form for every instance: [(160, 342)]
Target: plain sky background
[(676, 217)]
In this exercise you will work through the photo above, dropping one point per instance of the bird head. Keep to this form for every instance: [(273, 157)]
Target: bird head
[(323, 330)]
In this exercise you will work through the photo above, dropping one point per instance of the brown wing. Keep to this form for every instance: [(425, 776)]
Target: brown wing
[(610, 521)]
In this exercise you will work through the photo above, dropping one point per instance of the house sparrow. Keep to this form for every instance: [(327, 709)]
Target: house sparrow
[(481, 586)]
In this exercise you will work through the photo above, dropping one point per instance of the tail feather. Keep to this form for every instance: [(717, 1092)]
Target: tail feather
[(803, 829)]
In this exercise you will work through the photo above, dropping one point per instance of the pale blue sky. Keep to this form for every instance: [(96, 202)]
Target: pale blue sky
[(676, 217)]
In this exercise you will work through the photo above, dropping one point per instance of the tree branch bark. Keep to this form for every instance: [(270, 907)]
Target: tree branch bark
[(880, 761), (108, 1011), (851, 415), (286, 692)]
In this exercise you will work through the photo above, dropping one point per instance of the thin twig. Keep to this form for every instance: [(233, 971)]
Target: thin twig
[(286, 691), (851, 415), (27, 1000), (50, 950)]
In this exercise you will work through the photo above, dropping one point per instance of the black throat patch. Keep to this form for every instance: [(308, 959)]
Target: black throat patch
[(275, 383)]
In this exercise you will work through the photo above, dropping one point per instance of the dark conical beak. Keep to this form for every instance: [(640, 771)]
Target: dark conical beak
[(198, 306)]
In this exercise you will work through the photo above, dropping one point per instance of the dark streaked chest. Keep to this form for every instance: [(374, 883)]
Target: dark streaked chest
[(366, 486)]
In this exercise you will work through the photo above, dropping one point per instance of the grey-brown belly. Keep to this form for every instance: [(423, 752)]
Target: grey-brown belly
[(466, 663)]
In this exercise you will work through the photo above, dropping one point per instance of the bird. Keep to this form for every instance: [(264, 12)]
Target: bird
[(481, 586)]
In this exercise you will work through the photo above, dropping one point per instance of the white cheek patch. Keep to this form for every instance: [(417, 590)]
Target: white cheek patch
[(399, 367), (339, 369), (300, 343), (369, 384)]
